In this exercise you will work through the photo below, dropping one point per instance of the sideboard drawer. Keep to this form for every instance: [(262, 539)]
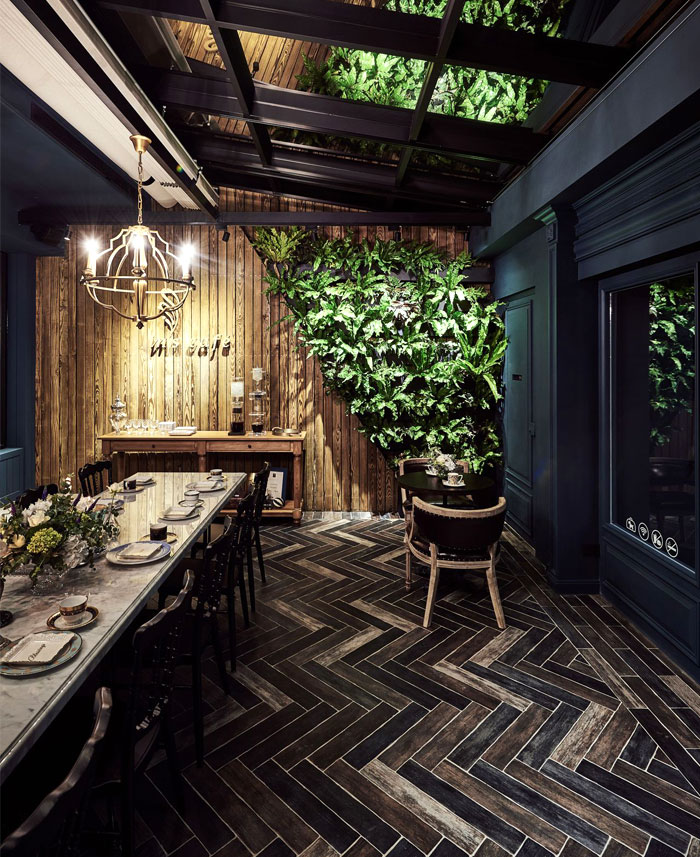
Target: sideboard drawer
[(244, 445), (155, 446)]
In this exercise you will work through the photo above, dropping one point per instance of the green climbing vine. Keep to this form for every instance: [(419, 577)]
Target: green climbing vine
[(414, 351)]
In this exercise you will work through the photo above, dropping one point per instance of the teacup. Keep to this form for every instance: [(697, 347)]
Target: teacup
[(454, 478), (216, 472), (192, 494), (129, 484), (72, 609)]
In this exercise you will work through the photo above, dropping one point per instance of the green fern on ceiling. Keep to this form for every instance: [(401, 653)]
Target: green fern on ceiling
[(463, 92)]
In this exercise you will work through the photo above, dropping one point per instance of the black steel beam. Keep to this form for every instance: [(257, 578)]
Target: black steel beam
[(448, 25), (380, 31), (224, 151), (206, 91), (108, 216), (240, 79)]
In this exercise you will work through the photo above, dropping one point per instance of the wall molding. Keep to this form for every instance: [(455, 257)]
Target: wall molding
[(620, 223)]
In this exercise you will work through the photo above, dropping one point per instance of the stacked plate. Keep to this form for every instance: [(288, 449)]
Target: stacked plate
[(138, 553), (180, 514), (206, 486)]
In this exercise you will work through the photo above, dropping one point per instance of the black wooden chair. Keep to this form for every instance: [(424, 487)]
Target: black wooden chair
[(54, 826), (143, 710), (31, 495), (260, 491), (457, 539), (240, 555), (202, 626), (95, 478)]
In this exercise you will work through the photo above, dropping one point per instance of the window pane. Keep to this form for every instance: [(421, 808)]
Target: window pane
[(653, 407)]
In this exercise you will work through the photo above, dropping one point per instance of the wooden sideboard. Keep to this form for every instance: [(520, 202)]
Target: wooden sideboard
[(202, 443)]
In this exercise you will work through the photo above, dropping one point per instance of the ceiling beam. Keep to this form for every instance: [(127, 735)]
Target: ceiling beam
[(108, 216), (240, 80), (224, 151), (448, 25), (206, 91), (380, 31)]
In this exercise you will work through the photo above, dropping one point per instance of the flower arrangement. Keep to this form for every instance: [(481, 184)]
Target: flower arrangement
[(440, 463), (55, 534)]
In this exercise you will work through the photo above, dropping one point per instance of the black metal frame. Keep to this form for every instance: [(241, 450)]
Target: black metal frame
[(269, 166), (609, 529)]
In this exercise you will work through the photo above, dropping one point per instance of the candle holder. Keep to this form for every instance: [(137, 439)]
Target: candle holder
[(257, 403), (237, 408)]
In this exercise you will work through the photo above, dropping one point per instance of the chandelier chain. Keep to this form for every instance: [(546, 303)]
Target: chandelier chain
[(139, 218)]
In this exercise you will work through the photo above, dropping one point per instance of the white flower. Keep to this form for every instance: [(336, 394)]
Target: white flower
[(84, 504), (75, 550), (114, 488), (5, 514), (39, 506), (37, 518)]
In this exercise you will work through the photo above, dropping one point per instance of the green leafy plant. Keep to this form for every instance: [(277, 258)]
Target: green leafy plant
[(671, 356), (401, 337), (464, 92)]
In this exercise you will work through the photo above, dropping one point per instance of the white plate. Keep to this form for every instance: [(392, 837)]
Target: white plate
[(215, 486), (114, 557), (186, 520)]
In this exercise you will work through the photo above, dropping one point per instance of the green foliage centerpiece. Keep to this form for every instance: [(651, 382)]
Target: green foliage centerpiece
[(414, 351), (55, 534)]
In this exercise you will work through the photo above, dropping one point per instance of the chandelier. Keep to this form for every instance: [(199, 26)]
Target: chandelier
[(137, 266)]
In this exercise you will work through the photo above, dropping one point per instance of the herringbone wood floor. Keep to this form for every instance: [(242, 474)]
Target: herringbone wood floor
[(352, 730)]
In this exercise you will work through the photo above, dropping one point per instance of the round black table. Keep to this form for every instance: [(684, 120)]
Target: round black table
[(421, 484)]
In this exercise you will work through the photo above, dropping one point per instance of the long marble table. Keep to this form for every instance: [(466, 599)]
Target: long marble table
[(28, 705)]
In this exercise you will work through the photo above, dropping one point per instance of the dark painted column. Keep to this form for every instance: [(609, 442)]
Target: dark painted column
[(573, 347), (21, 351)]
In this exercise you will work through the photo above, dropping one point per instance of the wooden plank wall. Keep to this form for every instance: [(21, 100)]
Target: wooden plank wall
[(86, 355)]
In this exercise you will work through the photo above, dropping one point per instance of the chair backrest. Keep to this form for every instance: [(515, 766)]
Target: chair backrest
[(467, 529), (55, 824), (245, 519), (31, 495), (92, 477), (155, 646), (260, 490), (410, 465), (210, 579)]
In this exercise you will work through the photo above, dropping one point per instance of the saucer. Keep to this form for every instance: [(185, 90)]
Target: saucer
[(171, 538), (459, 484), (136, 490), (57, 623)]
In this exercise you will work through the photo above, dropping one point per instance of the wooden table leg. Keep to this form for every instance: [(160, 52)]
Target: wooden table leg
[(202, 458), (298, 474)]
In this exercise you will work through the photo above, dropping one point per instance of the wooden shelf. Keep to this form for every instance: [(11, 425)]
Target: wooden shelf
[(285, 511)]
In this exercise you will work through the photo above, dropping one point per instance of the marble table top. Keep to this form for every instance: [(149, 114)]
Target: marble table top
[(28, 705)]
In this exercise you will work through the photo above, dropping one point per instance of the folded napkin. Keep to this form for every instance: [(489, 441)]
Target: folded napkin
[(143, 479), (177, 512), (139, 550), (207, 484), (38, 649)]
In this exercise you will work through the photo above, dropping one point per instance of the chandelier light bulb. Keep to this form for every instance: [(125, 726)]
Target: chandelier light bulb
[(186, 257), (92, 248)]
